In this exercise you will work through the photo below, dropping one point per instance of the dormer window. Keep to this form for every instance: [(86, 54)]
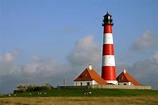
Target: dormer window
[(119, 79)]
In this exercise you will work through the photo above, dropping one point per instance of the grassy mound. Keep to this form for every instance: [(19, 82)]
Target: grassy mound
[(88, 92)]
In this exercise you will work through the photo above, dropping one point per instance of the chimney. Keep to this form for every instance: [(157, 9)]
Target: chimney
[(124, 71), (90, 66)]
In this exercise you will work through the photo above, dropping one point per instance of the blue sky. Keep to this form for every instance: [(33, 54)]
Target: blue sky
[(59, 37)]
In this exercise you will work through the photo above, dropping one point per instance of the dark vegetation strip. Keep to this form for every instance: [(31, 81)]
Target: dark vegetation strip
[(87, 92)]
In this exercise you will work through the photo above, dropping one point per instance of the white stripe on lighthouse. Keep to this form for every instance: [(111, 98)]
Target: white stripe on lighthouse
[(108, 60), (108, 38)]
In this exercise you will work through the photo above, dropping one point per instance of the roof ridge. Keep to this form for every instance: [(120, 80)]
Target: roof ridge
[(130, 76), (89, 73), (97, 77), (125, 74)]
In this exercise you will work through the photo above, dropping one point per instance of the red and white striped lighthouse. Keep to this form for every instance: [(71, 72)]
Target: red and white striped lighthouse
[(108, 58)]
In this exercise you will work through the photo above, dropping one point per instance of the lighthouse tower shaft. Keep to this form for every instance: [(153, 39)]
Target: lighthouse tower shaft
[(108, 58)]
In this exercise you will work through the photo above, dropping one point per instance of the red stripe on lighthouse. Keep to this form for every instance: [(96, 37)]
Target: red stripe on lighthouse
[(108, 28), (109, 72), (108, 49)]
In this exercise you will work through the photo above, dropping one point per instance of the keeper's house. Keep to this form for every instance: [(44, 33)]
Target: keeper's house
[(89, 77), (124, 78)]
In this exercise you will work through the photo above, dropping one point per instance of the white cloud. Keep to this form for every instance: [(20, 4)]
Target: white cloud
[(43, 68), (146, 40), (85, 51), (8, 57), (154, 57), (31, 68), (6, 63)]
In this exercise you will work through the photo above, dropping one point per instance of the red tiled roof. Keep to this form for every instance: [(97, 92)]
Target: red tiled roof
[(89, 75), (126, 77)]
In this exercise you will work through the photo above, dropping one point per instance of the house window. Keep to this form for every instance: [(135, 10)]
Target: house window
[(119, 79), (81, 83), (88, 83), (124, 84)]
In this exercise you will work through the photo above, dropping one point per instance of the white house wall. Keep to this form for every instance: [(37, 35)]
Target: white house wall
[(84, 83)]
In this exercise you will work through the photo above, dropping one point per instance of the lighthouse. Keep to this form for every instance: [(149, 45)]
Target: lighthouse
[(108, 58)]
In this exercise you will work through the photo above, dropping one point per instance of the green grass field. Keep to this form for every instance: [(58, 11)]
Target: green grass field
[(94, 93), (77, 97)]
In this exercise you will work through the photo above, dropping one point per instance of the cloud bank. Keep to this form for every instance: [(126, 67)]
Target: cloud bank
[(46, 70), (43, 70), (38, 71)]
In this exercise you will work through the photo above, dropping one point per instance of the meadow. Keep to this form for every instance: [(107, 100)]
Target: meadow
[(137, 100), (80, 97)]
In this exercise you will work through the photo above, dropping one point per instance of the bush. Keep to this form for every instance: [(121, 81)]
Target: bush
[(22, 88)]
